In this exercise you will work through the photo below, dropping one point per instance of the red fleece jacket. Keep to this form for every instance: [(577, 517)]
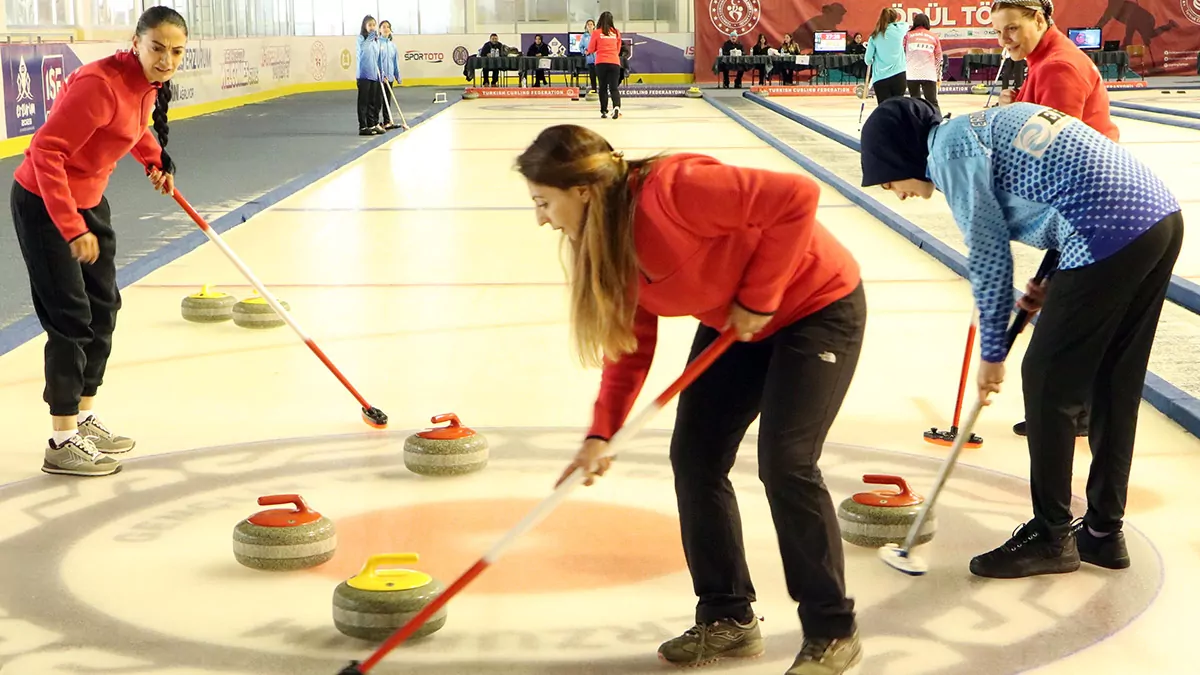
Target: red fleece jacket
[(1062, 77), (100, 115), (607, 48), (708, 235)]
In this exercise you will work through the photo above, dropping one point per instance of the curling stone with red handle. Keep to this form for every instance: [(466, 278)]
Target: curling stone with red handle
[(446, 451), (377, 602), (284, 539), (874, 519)]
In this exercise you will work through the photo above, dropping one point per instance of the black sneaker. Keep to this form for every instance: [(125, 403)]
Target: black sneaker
[(1108, 551), (1029, 552), (1081, 430)]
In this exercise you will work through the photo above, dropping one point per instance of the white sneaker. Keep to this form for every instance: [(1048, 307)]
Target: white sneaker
[(105, 440), (78, 456)]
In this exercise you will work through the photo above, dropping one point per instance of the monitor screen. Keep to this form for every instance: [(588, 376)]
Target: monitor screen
[(829, 41), (574, 43), (1085, 38)]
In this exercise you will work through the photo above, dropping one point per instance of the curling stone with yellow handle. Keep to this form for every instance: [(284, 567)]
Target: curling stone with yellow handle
[(874, 519), (377, 602), (284, 539), (694, 92), (446, 451), (207, 306), (256, 313)]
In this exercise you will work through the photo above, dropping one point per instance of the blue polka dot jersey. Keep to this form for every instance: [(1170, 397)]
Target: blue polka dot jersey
[(1028, 173)]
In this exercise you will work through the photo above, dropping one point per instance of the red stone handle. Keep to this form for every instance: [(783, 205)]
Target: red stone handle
[(888, 479), (447, 417), (274, 500)]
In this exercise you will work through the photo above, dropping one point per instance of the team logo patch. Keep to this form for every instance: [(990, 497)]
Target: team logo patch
[(1039, 132), (1191, 9), (979, 119)]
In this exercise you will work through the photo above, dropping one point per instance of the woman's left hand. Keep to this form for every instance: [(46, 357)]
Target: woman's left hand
[(989, 379), (163, 182), (746, 323)]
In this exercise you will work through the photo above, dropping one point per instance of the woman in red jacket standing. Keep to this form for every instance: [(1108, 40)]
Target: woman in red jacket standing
[(1059, 76), (653, 238), (62, 222), (605, 43)]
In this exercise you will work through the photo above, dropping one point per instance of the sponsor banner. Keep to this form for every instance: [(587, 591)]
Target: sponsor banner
[(1158, 25), (524, 92), (654, 91), (211, 71), (442, 56), (854, 89)]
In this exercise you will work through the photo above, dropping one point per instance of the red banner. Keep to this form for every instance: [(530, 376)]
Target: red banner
[(1169, 30)]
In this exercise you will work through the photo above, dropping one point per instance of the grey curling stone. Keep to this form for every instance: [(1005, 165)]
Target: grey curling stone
[(446, 451), (279, 540), (874, 519), (694, 92), (592, 96), (373, 605), (207, 306), (257, 314)]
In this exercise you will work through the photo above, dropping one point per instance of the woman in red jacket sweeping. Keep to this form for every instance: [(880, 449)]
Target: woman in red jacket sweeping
[(686, 235), (62, 222), (605, 43), (1059, 76)]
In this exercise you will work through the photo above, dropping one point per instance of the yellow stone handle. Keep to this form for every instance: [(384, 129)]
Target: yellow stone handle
[(371, 569)]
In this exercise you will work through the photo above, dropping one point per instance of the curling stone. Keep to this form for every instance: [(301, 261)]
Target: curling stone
[(470, 95), (256, 313), (592, 96), (946, 437), (873, 519), (284, 539), (377, 602), (208, 306), (446, 451), (979, 89), (860, 90), (694, 92)]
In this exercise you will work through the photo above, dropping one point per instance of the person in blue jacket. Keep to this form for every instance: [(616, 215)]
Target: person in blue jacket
[(389, 70), (590, 59), (1032, 174), (370, 95), (885, 55)]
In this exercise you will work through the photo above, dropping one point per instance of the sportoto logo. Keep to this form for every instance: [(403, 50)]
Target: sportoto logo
[(427, 57), (1191, 9), (739, 16)]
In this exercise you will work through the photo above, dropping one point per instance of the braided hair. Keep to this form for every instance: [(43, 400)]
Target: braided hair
[(151, 19)]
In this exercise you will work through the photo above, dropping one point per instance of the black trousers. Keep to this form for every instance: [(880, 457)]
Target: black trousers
[(1092, 342), (890, 87), (76, 303), (370, 100), (926, 89), (796, 380), (591, 68), (609, 76)]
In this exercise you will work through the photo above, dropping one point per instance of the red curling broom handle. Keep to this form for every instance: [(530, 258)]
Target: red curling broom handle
[(690, 373), (962, 380), (374, 413)]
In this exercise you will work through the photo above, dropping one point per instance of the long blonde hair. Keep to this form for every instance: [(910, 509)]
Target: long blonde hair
[(603, 264)]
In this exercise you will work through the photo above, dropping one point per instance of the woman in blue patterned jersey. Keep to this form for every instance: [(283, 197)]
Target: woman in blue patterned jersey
[(1028, 173)]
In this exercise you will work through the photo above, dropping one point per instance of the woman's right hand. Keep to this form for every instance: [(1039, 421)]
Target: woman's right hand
[(86, 249), (1006, 97), (589, 461)]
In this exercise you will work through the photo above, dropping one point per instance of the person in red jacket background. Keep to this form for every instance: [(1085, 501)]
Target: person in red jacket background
[(62, 221), (1060, 76), (605, 43), (685, 235)]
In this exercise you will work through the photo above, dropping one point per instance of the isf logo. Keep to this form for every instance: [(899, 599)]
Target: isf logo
[(52, 80)]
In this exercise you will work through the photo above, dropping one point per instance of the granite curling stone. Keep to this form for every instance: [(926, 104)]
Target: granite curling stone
[(979, 89), (208, 306), (446, 451), (694, 92), (284, 539), (256, 313), (874, 519), (592, 96), (377, 602)]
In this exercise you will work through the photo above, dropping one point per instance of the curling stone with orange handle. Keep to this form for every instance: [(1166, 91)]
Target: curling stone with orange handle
[(880, 517), (284, 539), (375, 603), (446, 451)]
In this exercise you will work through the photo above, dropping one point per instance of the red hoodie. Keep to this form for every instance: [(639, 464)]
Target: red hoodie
[(607, 48), (100, 115), (1062, 77), (707, 235)]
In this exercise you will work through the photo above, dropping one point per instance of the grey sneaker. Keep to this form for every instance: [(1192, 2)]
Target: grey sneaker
[(78, 456), (703, 644), (105, 440), (822, 656)]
